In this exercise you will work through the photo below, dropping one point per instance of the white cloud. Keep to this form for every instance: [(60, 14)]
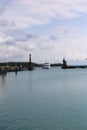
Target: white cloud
[(36, 12), (1, 39), (68, 43), (6, 23), (2, 9), (55, 42)]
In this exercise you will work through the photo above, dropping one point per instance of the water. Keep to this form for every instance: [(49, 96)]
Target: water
[(52, 99)]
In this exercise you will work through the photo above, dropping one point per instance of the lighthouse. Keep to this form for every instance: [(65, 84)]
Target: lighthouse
[(29, 58), (64, 65), (30, 66)]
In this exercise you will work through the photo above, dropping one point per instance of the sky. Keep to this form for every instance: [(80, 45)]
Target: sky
[(48, 29)]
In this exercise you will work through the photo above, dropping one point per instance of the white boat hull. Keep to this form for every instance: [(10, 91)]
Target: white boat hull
[(46, 66)]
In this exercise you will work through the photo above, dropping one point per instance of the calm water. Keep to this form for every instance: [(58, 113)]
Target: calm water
[(52, 99)]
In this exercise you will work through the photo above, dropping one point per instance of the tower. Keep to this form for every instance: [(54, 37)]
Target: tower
[(64, 65), (29, 58), (30, 65), (64, 62)]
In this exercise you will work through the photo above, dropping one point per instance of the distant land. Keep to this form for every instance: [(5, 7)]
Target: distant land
[(25, 64)]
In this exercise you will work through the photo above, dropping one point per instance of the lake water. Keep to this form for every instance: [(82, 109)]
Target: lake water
[(53, 99)]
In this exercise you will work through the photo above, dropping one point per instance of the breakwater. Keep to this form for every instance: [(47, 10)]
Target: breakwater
[(65, 66), (74, 67)]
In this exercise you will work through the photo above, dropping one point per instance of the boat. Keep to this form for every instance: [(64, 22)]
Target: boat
[(46, 66)]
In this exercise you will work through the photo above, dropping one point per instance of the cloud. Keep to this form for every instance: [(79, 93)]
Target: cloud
[(2, 9), (76, 55), (11, 47), (57, 44), (26, 46), (53, 37), (6, 23), (23, 30), (8, 49), (28, 13), (26, 36)]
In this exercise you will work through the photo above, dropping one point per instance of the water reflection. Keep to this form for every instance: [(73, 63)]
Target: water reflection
[(2, 86), (30, 80), (64, 80), (3, 76), (16, 72)]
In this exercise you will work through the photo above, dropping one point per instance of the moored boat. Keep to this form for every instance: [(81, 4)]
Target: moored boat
[(46, 66)]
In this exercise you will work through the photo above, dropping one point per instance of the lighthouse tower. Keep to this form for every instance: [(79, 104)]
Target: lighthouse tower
[(30, 67), (64, 65), (29, 58)]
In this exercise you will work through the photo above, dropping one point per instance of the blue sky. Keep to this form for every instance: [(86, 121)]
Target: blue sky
[(48, 29)]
